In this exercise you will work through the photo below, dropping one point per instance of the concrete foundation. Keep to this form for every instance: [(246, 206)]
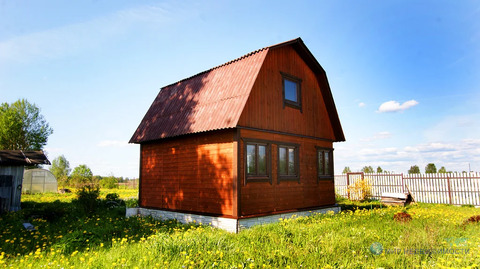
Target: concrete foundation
[(228, 224)]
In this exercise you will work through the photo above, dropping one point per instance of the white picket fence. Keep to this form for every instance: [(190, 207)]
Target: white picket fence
[(451, 188)]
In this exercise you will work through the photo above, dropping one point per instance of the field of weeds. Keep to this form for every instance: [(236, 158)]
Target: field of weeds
[(421, 235)]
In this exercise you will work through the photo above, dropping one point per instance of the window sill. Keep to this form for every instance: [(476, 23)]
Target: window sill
[(292, 104), (258, 179)]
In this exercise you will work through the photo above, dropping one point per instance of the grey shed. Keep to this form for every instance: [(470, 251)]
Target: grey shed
[(12, 163)]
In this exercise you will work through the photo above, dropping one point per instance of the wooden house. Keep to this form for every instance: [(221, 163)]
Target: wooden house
[(250, 138), (12, 163)]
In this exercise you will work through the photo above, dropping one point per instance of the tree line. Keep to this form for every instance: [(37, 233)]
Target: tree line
[(414, 169), (23, 127), (81, 175)]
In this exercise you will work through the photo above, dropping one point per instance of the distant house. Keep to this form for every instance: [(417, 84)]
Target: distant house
[(247, 139), (12, 164)]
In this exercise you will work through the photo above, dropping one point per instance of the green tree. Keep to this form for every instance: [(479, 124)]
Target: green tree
[(367, 169), (414, 170), (61, 169), (22, 127), (109, 182), (430, 168), (82, 175), (346, 170), (442, 170), (379, 170)]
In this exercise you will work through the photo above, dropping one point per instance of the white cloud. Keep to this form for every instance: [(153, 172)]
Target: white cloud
[(454, 127), (394, 106), (361, 104), (377, 136), (112, 143), (455, 156)]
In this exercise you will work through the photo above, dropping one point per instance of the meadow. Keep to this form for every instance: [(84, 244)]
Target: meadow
[(363, 235)]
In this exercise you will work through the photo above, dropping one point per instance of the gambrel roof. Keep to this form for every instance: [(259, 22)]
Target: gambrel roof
[(215, 99)]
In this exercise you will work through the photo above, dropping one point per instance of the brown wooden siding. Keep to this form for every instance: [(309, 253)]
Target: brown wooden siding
[(191, 173), (265, 110), (263, 197)]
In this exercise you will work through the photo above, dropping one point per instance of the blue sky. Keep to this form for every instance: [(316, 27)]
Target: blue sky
[(404, 74)]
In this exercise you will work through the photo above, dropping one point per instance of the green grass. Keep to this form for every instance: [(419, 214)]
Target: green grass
[(107, 240)]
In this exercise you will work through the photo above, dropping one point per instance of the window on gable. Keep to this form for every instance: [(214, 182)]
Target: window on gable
[(288, 163), (291, 91), (325, 163), (257, 162)]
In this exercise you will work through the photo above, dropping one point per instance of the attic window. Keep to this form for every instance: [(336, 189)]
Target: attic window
[(292, 91)]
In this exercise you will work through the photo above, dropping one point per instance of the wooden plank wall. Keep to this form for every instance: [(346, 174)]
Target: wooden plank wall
[(264, 108), (264, 198), (191, 173)]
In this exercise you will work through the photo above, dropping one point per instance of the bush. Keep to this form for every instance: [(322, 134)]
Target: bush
[(109, 183), (112, 197), (131, 203), (87, 198), (112, 200), (361, 190)]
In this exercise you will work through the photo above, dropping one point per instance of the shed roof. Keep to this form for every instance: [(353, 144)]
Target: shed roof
[(19, 157), (214, 99)]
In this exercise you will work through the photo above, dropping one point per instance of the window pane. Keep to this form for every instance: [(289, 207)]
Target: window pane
[(291, 161), (282, 160), (321, 171), (290, 90), (251, 159), (327, 163), (262, 160)]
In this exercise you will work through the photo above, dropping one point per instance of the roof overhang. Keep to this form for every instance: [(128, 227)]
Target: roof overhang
[(19, 157)]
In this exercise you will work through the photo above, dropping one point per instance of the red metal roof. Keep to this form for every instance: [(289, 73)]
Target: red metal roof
[(211, 100), (214, 99)]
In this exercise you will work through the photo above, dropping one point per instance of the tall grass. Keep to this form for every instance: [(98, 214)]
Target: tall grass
[(320, 241), (68, 197)]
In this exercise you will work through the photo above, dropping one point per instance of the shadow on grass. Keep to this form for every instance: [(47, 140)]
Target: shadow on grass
[(63, 227), (348, 205)]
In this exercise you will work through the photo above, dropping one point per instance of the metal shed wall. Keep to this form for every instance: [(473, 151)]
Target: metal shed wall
[(12, 198)]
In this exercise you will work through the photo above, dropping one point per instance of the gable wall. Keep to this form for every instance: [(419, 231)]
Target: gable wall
[(192, 173), (264, 108)]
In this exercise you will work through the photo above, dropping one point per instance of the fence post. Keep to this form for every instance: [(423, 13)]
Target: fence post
[(403, 184), (449, 190), (348, 184)]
